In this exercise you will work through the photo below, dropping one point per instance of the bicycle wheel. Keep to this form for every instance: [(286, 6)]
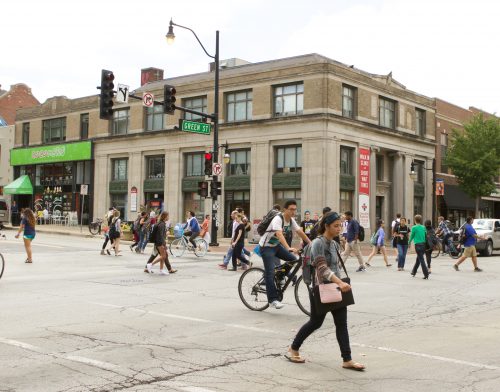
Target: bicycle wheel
[(177, 247), (455, 250), (2, 265), (252, 289), (436, 250), (201, 247), (302, 296), (94, 228)]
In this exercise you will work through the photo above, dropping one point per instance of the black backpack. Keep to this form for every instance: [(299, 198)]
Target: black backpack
[(266, 221), (153, 234), (361, 233)]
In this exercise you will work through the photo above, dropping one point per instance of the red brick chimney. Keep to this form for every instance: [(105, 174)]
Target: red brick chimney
[(151, 75)]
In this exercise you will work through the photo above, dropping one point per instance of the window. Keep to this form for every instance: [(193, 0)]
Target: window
[(420, 118), (346, 161), (239, 106), (380, 167), (195, 164), (196, 203), (280, 197), (387, 112), (26, 134), (119, 201), (418, 206), (419, 170), (289, 159), (199, 104), (154, 118), (240, 163), (155, 167), (54, 130), (346, 198), (84, 126), (119, 168), (348, 101), (444, 149), (120, 122), (289, 100)]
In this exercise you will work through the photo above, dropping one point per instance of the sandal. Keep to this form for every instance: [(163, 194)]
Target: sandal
[(354, 366), (28, 261), (294, 358), (172, 271)]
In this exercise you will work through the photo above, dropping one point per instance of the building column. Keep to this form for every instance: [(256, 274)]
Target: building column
[(135, 173), (262, 164), (101, 185), (397, 184), (173, 199)]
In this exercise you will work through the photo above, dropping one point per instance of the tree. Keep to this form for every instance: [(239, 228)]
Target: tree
[(474, 156)]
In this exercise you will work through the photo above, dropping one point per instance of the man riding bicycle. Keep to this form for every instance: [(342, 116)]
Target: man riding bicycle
[(274, 247), (192, 228), (444, 231)]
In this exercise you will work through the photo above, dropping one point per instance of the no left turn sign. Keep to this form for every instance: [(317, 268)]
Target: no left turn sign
[(148, 100)]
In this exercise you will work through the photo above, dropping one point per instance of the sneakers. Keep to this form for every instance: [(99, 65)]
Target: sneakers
[(103, 253), (222, 266), (149, 267), (456, 267), (164, 272), (231, 269), (131, 248), (477, 269), (361, 269), (276, 304)]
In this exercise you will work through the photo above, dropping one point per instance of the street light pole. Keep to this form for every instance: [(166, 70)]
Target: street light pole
[(215, 118)]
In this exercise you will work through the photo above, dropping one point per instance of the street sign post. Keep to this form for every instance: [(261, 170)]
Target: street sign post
[(195, 127)]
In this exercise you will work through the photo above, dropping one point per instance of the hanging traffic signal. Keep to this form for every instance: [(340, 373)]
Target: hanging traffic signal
[(106, 95), (208, 163), (203, 188), (215, 189), (169, 99)]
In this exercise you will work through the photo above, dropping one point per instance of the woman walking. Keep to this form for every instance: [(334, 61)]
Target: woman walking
[(324, 253), (136, 229), (418, 236), (401, 234), (431, 241), (380, 246), (28, 223), (115, 231), (237, 243), (109, 218), (160, 242)]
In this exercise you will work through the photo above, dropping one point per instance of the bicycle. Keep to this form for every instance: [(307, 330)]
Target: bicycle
[(2, 265), (95, 226), (455, 248), (181, 244), (252, 286)]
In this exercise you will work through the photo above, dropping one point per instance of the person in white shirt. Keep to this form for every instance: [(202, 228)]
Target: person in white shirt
[(273, 247)]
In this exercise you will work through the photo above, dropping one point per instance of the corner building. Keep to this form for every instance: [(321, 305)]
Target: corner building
[(307, 128)]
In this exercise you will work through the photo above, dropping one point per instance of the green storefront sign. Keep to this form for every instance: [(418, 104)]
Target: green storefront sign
[(81, 151)]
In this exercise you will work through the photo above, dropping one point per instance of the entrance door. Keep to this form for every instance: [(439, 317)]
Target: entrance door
[(234, 200)]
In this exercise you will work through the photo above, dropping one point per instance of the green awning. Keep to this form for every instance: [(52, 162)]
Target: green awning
[(21, 186)]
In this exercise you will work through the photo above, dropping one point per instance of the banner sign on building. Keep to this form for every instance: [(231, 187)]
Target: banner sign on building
[(439, 187), (80, 151), (364, 187), (133, 199)]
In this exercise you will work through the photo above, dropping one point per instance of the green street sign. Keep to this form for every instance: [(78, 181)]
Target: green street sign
[(195, 127), (80, 151)]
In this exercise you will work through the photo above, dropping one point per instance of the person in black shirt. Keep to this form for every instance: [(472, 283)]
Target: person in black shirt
[(401, 234), (307, 224), (238, 242)]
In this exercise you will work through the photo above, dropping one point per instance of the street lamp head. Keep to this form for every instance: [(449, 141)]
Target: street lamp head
[(170, 35), (227, 158)]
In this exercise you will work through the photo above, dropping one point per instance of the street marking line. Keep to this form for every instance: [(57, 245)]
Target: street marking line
[(35, 244), (422, 355), (73, 358)]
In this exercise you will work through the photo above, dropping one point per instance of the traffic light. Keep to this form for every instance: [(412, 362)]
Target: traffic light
[(208, 163), (215, 189), (169, 99), (203, 188), (106, 95)]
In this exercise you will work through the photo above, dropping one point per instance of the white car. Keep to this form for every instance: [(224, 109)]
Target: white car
[(490, 230)]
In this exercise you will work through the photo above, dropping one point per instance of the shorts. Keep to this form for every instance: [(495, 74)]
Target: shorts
[(470, 251), (29, 237)]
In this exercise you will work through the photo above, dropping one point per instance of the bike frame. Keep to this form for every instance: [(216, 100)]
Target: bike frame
[(293, 273)]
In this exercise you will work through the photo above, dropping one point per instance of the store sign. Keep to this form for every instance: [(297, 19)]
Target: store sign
[(439, 187), (80, 151), (133, 199), (364, 187)]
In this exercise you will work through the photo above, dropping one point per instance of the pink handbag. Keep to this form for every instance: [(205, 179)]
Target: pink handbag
[(329, 292)]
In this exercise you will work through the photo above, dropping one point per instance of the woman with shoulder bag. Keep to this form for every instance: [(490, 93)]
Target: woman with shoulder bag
[(116, 233), (325, 256)]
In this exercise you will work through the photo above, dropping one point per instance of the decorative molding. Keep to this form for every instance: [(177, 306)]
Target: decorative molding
[(190, 184), (154, 185), (237, 183), (347, 182), (120, 186), (287, 181)]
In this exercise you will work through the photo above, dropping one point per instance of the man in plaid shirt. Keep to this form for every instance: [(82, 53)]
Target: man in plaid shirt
[(444, 232)]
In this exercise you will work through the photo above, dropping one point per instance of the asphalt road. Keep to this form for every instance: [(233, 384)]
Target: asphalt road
[(77, 321)]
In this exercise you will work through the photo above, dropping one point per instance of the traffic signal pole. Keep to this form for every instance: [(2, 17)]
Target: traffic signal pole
[(215, 223)]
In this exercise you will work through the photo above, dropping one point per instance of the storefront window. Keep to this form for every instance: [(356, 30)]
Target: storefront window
[(193, 202), (119, 201)]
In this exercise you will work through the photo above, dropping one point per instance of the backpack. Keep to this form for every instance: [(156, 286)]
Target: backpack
[(374, 238), (306, 264), (266, 221), (361, 233), (136, 227), (431, 238), (153, 233), (112, 233)]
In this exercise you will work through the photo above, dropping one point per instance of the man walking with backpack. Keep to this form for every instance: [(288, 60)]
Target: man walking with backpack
[(273, 245), (352, 241)]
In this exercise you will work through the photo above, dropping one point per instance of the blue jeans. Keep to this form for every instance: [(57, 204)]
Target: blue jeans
[(229, 255), (143, 240), (271, 256), (402, 249)]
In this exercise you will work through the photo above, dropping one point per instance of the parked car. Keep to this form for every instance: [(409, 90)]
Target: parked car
[(490, 229), (4, 213)]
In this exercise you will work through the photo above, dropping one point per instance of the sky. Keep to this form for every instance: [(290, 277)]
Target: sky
[(440, 48)]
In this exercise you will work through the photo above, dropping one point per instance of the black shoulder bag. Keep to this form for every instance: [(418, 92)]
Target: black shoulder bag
[(347, 298)]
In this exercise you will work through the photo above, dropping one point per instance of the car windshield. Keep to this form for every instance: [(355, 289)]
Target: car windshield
[(482, 224)]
